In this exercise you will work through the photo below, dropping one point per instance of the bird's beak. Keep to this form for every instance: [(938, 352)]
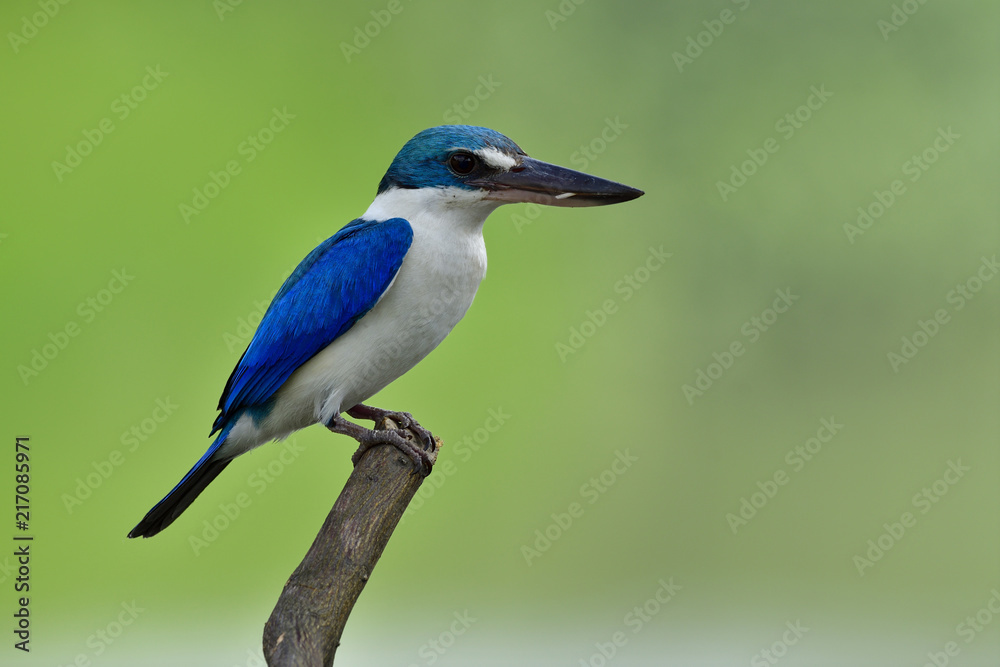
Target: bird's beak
[(542, 183)]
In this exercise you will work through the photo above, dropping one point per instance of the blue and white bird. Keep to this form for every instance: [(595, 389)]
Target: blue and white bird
[(375, 298)]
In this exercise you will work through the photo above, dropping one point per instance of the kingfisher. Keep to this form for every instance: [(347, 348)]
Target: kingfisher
[(367, 304)]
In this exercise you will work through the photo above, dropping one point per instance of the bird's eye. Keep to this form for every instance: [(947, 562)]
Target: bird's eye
[(462, 163)]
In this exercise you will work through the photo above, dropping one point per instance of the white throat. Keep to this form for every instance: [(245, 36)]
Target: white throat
[(454, 209)]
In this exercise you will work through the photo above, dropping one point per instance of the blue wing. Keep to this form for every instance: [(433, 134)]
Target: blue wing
[(330, 290)]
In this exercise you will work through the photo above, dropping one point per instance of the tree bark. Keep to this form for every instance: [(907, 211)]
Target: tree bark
[(305, 627)]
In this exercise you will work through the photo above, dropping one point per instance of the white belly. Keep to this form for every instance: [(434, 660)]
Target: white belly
[(433, 290)]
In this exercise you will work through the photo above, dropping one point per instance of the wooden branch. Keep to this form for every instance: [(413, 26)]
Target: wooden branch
[(305, 627)]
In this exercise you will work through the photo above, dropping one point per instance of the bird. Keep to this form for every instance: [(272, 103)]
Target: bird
[(374, 299)]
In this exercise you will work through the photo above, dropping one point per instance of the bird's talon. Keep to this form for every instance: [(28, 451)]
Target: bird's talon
[(404, 433)]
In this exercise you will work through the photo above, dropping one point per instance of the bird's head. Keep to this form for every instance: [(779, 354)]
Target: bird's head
[(484, 162)]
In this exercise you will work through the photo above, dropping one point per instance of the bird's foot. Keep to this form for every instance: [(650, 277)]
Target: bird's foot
[(404, 420), (399, 438)]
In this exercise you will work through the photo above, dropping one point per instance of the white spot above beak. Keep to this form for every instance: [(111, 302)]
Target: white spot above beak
[(496, 159)]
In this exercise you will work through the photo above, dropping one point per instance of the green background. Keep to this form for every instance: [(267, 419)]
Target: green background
[(555, 85)]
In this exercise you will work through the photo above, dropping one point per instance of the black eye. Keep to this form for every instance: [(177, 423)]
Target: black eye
[(462, 163)]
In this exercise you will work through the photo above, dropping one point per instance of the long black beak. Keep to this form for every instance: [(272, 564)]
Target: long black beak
[(542, 183)]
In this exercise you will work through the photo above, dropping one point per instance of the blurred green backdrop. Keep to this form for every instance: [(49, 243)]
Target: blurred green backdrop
[(757, 131)]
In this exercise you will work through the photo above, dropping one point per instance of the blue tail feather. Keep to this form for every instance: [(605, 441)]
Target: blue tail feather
[(181, 496)]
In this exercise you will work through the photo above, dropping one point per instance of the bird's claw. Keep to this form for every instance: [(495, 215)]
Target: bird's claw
[(402, 441), (406, 423), (399, 435)]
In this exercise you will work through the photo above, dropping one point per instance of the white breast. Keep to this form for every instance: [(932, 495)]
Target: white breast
[(432, 291)]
